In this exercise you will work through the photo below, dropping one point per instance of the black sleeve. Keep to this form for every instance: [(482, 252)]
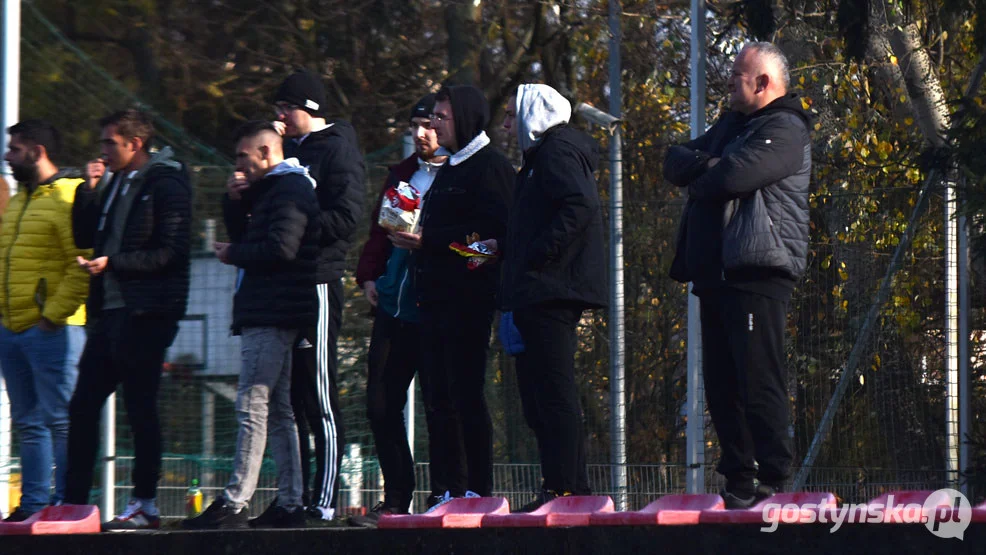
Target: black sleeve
[(774, 151), (235, 218), (85, 216), (490, 203), (172, 228), (341, 190), (683, 165), (686, 162), (572, 192), (284, 234)]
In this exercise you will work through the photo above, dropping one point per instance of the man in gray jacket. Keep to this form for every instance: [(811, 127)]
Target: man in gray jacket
[(743, 244)]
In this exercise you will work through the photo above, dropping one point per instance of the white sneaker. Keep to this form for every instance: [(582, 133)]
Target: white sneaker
[(323, 513)]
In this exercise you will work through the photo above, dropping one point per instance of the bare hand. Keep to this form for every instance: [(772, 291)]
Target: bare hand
[(95, 267), (404, 240), (279, 126), (95, 169), (370, 290), (47, 325), (236, 184), (222, 252)]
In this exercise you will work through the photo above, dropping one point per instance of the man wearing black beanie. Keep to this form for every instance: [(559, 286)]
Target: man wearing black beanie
[(470, 195), (331, 152), (384, 273)]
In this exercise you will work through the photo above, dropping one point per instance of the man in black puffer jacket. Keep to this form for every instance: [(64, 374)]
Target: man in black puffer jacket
[(554, 267), (331, 153), (138, 223), (743, 244), (272, 219), (470, 194)]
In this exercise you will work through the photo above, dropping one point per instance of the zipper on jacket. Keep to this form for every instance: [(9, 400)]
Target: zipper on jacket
[(400, 292), (10, 249)]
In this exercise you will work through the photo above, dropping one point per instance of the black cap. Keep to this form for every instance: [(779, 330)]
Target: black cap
[(424, 107), (303, 88)]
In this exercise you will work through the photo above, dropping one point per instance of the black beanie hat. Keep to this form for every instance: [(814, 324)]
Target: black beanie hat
[(424, 107), (304, 89)]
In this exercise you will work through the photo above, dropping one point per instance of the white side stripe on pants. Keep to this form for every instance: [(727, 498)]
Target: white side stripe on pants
[(324, 385)]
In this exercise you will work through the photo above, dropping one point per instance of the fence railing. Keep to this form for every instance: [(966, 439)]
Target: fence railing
[(362, 485)]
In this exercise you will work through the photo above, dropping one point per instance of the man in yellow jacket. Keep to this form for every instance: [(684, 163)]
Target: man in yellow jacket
[(42, 291)]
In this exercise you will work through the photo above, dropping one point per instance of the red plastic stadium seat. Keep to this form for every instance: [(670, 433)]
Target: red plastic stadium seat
[(457, 513), (64, 519), (573, 510), (670, 509), (756, 514)]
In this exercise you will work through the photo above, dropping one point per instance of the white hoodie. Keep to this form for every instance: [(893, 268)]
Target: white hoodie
[(539, 108)]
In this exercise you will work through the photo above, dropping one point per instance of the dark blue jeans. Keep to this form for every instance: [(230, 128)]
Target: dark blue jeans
[(40, 369)]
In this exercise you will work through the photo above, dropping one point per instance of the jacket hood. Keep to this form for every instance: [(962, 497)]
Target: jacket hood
[(790, 102), (539, 108), (338, 127), (291, 166), (163, 162), (471, 112)]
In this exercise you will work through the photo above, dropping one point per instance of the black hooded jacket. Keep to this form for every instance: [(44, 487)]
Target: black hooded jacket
[(470, 194), (750, 206), (152, 265), (554, 249), (333, 159)]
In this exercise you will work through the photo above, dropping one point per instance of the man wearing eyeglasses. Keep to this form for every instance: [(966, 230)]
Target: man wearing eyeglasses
[(330, 150), (395, 345), (470, 196)]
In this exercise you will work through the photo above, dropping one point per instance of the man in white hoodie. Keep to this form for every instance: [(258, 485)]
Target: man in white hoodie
[(554, 267), (272, 217)]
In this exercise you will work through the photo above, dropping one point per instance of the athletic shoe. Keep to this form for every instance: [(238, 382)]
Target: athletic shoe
[(133, 518), (19, 515), (370, 519), (277, 516), (320, 513), (217, 516), (444, 499), (540, 498)]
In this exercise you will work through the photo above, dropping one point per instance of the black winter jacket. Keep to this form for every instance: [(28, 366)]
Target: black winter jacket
[(275, 232), (333, 159), (471, 197), (761, 181), (152, 267), (554, 248)]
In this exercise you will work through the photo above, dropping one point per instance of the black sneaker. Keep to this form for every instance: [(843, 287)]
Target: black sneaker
[(217, 516), (19, 515), (370, 519), (277, 516), (743, 498), (540, 498)]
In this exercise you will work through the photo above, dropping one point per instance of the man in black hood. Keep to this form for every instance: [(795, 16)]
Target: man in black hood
[(331, 153), (743, 244), (470, 195), (554, 267)]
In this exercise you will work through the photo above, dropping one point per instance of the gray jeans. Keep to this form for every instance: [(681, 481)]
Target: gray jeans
[(263, 399)]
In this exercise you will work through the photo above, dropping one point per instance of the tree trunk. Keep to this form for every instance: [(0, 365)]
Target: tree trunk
[(462, 22)]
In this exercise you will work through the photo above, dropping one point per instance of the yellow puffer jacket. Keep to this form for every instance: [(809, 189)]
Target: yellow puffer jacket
[(39, 272)]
